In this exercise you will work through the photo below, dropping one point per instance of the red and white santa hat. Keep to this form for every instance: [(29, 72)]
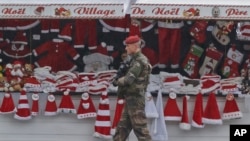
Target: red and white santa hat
[(35, 104), (8, 105), (184, 124), (118, 112), (23, 108), (231, 109), (66, 33), (32, 84), (97, 89), (210, 83), (86, 108), (103, 121), (211, 113), (51, 107), (171, 110), (198, 112), (171, 79), (66, 104), (20, 38)]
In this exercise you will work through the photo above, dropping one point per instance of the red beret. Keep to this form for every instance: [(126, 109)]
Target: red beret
[(132, 39)]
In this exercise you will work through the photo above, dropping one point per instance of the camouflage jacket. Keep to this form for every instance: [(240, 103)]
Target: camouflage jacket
[(136, 80)]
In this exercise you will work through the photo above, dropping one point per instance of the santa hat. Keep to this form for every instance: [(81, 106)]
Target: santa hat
[(171, 79), (210, 83), (198, 112), (35, 104), (211, 113), (97, 89), (231, 109), (32, 84), (23, 109), (66, 104), (39, 10), (150, 109), (20, 38), (66, 33), (86, 108), (118, 112), (17, 64), (8, 105), (184, 124), (103, 123), (171, 110), (158, 129), (51, 108)]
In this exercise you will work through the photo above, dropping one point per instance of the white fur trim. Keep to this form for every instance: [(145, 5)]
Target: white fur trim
[(175, 66), (22, 118), (207, 90), (211, 121), (112, 131), (50, 113), (165, 24), (86, 115), (28, 26), (195, 124), (173, 118), (185, 126), (232, 115)]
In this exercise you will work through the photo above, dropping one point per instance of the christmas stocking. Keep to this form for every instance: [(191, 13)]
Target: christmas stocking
[(232, 62), (210, 63), (190, 64), (243, 31), (221, 31), (198, 31)]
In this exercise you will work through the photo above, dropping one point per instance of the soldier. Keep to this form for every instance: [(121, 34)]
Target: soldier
[(133, 86)]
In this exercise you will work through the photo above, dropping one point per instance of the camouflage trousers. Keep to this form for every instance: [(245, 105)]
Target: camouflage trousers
[(133, 117)]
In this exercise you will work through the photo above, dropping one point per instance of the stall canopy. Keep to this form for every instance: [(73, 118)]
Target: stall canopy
[(64, 9), (191, 9)]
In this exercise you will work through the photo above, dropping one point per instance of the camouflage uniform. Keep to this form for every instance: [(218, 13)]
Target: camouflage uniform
[(133, 87)]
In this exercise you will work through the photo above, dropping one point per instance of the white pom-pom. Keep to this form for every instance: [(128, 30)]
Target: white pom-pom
[(120, 101), (7, 95), (103, 44)]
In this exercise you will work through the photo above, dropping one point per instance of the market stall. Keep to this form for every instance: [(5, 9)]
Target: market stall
[(74, 47)]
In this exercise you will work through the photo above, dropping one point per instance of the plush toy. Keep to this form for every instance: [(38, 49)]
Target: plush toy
[(28, 70)]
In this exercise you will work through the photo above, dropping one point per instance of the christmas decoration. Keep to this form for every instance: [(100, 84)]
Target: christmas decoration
[(158, 129), (7, 105), (231, 109), (211, 113), (103, 122), (51, 107), (232, 62), (221, 31), (211, 61), (35, 104), (184, 124), (190, 64), (86, 108), (171, 110), (23, 109), (117, 115), (66, 104), (198, 31), (198, 112)]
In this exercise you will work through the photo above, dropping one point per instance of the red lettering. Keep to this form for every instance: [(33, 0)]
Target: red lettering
[(12, 11), (137, 10), (236, 12), (164, 11), (93, 11)]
